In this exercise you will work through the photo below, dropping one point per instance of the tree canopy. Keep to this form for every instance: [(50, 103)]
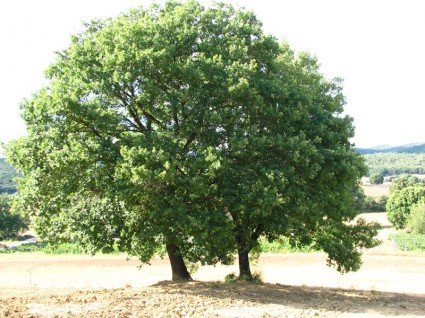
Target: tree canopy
[(188, 126), (400, 204), (404, 181), (395, 163)]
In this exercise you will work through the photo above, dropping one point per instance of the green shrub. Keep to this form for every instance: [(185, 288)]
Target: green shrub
[(409, 241), (10, 224), (282, 245), (256, 278), (371, 205), (416, 219), (376, 178), (400, 203), (231, 278), (48, 248)]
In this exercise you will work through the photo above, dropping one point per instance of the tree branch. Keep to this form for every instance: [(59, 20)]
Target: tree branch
[(191, 138)]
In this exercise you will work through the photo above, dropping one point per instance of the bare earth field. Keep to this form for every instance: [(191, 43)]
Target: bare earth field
[(390, 284), (296, 285), (377, 191)]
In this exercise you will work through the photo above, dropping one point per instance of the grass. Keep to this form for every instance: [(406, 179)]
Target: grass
[(46, 248), (280, 245), (376, 191), (409, 241)]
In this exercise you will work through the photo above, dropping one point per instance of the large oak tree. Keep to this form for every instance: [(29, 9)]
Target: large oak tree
[(188, 126)]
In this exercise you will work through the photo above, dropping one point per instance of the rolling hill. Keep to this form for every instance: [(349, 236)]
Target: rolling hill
[(7, 173), (395, 160), (410, 148)]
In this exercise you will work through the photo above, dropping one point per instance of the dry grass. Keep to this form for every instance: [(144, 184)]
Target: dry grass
[(377, 191)]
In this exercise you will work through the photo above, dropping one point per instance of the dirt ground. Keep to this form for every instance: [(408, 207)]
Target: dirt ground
[(377, 191), (296, 285), (389, 284)]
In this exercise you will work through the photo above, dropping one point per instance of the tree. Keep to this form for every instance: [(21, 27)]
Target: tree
[(188, 126), (10, 224), (416, 219), (400, 203), (296, 170), (403, 181), (376, 178)]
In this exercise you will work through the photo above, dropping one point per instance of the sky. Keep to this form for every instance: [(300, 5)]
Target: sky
[(376, 46)]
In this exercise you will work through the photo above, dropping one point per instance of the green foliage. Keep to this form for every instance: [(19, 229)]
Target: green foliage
[(359, 198), (395, 163), (403, 181), (416, 219), (363, 203), (231, 278), (255, 278), (10, 223), (283, 245), (409, 241), (401, 202), (376, 178), (188, 125), (48, 248), (372, 205), (7, 174)]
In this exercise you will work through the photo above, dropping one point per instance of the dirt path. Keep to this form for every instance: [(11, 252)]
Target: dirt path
[(110, 286)]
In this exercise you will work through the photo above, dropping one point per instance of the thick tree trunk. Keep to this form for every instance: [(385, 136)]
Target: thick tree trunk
[(244, 267), (178, 267)]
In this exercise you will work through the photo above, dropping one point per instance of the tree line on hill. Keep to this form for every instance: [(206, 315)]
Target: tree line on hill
[(7, 174), (10, 223), (388, 164)]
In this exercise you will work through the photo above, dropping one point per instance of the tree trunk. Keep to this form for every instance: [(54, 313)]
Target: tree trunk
[(244, 268), (178, 267)]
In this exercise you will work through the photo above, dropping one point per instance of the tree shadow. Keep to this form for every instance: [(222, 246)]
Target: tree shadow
[(305, 298)]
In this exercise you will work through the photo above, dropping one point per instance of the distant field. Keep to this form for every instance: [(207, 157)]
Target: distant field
[(380, 217), (377, 191)]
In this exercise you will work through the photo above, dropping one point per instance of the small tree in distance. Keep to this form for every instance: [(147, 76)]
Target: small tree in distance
[(376, 178), (189, 127), (400, 204)]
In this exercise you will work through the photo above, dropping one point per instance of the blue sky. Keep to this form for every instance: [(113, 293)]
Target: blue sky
[(377, 47)]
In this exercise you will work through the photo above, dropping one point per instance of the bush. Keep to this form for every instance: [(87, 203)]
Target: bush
[(400, 203), (370, 205), (233, 278), (10, 224), (376, 178), (416, 220), (48, 248), (409, 241), (283, 245)]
